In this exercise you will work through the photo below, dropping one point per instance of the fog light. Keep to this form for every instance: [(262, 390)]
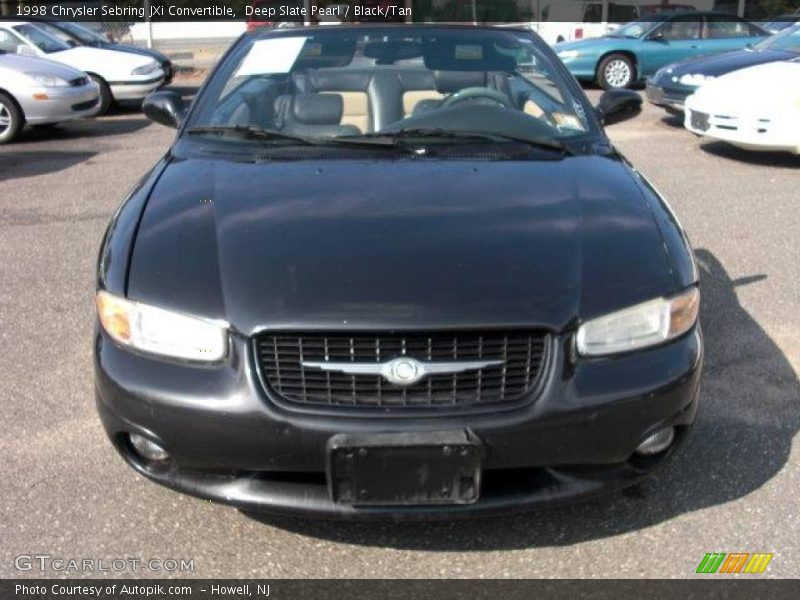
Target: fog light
[(658, 442), (148, 448)]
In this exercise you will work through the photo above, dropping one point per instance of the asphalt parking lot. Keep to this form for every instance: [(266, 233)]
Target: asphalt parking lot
[(733, 486)]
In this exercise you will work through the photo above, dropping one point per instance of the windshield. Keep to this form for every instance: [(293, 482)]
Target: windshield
[(41, 39), (787, 40), (634, 29), (81, 33), (359, 83), (57, 33)]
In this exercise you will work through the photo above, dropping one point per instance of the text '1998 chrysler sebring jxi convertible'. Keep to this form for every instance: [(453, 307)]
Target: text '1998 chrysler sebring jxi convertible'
[(395, 272)]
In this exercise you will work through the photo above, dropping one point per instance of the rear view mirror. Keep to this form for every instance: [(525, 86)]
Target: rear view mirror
[(165, 108), (618, 105)]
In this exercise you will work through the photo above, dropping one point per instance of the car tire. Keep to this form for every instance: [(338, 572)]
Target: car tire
[(11, 119), (106, 98), (616, 71)]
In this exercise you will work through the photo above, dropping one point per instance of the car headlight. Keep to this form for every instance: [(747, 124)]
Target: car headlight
[(160, 331), (47, 80), (568, 54), (145, 69), (640, 326), (694, 79), (662, 73)]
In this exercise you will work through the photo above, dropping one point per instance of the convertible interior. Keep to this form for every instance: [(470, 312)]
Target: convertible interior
[(362, 87)]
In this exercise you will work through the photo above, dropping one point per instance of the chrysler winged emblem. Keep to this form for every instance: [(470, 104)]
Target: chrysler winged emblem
[(404, 370)]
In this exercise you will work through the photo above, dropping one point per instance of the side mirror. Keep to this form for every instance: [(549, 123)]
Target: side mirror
[(657, 36), (24, 50), (618, 105), (72, 43), (165, 108)]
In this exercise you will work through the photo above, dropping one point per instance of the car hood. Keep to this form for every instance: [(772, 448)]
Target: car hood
[(154, 54), (106, 63), (397, 244), (760, 88), (720, 64), (31, 64)]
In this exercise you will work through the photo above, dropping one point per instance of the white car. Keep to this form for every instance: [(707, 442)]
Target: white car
[(36, 91), (120, 75), (757, 108)]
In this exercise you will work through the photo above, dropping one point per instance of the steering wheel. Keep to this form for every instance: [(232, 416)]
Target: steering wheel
[(474, 93)]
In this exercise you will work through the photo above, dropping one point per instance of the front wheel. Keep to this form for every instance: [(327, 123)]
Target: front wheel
[(616, 71), (106, 98), (11, 118)]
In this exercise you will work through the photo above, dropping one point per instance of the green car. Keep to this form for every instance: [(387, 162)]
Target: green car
[(637, 50)]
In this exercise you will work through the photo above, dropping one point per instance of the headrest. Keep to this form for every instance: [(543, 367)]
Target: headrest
[(448, 82), (318, 109)]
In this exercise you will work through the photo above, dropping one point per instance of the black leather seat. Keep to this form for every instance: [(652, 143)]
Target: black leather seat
[(313, 115)]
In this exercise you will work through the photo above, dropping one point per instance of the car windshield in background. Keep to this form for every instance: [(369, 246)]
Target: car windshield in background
[(58, 33), (634, 29), (41, 39), (358, 84), (81, 33), (787, 40)]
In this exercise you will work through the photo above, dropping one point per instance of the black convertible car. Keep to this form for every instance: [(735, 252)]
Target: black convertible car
[(395, 272)]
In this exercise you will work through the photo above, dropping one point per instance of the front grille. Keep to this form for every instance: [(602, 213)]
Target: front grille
[(280, 358), (86, 105)]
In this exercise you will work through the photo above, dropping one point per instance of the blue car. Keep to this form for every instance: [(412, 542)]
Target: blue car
[(637, 50), (670, 86)]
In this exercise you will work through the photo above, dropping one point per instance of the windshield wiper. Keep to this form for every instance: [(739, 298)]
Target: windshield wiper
[(258, 133), (402, 135), (251, 132), (392, 139)]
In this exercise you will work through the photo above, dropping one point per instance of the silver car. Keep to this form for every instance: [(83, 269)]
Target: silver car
[(36, 91)]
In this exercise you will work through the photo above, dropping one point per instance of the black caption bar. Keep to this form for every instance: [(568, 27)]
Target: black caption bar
[(408, 11), (283, 589)]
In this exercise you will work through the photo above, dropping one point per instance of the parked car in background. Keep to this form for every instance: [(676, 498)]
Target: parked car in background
[(671, 85), (637, 50), (121, 76), (34, 91), (75, 34), (757, 108)]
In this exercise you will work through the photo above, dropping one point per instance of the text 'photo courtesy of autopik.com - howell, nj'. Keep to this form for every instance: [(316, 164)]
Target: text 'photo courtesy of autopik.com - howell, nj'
[(447, 299)]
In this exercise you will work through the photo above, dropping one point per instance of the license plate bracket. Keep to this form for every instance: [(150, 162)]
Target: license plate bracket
[(400, 469)]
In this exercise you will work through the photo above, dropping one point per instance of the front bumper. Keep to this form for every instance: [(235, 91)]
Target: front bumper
[(136, 89), (751, 129), (230, 442), (62, 104), (671, 98), (582, 67)]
